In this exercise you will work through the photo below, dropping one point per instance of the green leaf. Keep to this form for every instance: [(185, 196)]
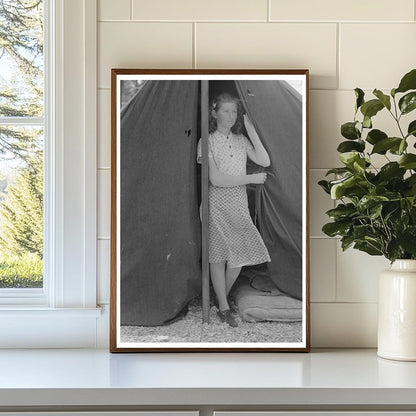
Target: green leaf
[(408, 102), (367, 122), (393, 92), (375, 211), (338, 190), (349, 131), (411, 130), (338, 171), (371, 108), (342, 211), (408, 161), (336, 228), (374, 242), (383, 145), (359, 166), (346, 242), (402, 147), (375, 136), (350, 146), (369, 201), (399, 148), (393, 250), (385, 99), (361, 231), (407, 239), (348, 158), (342, 179), (391, 170), (359, 94), (368, 248), (408, 82), (325, 186), (411, 184)]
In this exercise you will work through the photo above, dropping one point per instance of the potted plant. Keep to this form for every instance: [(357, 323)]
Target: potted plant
[(376, 209)]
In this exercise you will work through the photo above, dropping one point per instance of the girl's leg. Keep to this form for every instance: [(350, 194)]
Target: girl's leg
[(218, 282), (231, 275)]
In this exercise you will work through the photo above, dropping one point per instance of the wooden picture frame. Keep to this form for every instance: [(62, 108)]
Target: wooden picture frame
[(167, 211)]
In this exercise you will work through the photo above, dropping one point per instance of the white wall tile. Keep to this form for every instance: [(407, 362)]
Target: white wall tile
[(319, 203), (142, 45), (343, 285), (328, 110), (114, 10), (323, 269), (104, 129), (200, 10), (271, 45), (103, 271), (357, 275), (344, 325), (376, 55), (104, 202), (340, 10)]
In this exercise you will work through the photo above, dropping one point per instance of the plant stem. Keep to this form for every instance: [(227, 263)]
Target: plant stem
[(397, 118)]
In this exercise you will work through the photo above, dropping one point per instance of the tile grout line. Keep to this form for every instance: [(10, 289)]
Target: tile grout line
[(194, 63), (310, 89), (307, 22), (338, 66), (336, 272), (131, 9), (269, 10), (322, 237), (345, 302)]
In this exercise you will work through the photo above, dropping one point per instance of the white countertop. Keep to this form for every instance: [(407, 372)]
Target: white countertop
[(96, 377)]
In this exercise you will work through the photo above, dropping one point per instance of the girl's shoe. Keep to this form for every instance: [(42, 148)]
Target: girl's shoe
[(227, 317)]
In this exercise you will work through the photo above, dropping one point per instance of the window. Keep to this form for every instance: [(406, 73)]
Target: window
[(63, 312), (22, 129)]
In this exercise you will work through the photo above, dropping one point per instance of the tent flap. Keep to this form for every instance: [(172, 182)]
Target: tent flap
[(276, 112), (160, 227)]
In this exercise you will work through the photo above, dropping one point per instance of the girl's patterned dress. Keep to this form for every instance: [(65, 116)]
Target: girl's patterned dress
[(233, 237)]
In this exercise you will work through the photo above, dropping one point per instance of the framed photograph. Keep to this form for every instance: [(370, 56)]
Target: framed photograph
[(209, 215)]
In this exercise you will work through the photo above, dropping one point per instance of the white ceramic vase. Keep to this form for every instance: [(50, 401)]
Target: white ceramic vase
[(397, 312)]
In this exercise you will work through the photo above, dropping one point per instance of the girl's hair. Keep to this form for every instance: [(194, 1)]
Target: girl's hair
[(218, 101)]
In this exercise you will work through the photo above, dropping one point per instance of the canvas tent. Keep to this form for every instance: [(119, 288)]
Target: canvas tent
[(159, 200)]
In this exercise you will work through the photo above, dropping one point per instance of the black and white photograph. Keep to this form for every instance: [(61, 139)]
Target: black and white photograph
[(209, 218)]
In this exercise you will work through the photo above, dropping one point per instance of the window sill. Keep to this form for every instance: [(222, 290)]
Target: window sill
[(40, 327)]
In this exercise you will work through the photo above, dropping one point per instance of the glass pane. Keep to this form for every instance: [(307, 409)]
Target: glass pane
[(21, 58), (21, 207)]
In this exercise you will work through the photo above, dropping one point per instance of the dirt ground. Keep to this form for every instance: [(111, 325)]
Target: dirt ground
[(191, 329)]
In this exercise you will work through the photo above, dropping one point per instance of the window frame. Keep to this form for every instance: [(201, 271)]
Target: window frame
[(69, 292), (34, 296)]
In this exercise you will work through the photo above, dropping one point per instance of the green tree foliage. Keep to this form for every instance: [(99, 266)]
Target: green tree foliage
[(21, 87), (21, 213), (21, 95)]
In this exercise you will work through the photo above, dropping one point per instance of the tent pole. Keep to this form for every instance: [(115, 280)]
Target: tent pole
[(204, 186)]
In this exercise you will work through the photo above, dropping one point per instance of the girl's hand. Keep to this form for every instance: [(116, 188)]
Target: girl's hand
[(258, 178), (247, 123)]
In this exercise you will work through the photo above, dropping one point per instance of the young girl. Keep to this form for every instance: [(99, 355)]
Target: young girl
[(234, 241)]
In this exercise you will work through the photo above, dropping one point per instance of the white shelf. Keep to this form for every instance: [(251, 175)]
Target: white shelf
[(56, 378)]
